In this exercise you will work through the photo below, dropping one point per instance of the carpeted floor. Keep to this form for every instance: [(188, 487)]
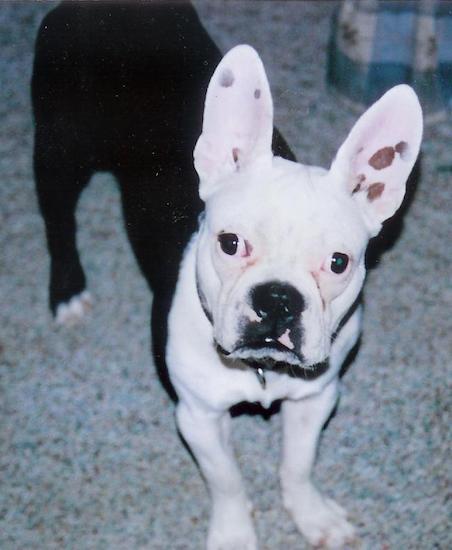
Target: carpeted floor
[(89, 456)]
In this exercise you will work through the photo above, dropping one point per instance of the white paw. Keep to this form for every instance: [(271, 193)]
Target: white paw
[(72, 312), (233, 539), (322, 521), (231, 528)]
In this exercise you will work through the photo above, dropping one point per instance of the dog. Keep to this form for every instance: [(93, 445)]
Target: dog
[(257, 261)]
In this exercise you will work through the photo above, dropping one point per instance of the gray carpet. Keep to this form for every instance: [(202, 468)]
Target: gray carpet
[(89, 456)]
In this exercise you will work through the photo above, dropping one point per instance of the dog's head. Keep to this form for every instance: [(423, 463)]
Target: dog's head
[(281, 248)]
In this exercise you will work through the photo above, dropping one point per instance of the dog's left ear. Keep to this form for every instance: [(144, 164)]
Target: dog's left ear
[(379, 153), (238, 119)]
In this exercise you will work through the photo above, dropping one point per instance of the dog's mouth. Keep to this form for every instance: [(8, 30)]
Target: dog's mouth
[(274, 356)]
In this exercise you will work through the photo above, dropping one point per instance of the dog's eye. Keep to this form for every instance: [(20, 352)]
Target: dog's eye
[(339, 262), (229, 243), (233, 245)]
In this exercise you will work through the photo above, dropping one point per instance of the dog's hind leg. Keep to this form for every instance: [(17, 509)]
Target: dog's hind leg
[(207, 434), (59, 182), (317, 517)]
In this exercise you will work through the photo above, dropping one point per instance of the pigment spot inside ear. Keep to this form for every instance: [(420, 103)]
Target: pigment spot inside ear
[(402, 149), (375, 190), (227, 78), (235, 154), (257, 93), (382, 158), (360, 179)]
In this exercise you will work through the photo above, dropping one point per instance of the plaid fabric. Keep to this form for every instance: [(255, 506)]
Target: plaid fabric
[(376, 44)]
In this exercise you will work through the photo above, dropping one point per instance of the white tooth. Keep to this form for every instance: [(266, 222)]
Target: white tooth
[(285, 340)]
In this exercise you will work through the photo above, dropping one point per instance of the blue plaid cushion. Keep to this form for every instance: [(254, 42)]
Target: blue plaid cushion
[(376, 44)]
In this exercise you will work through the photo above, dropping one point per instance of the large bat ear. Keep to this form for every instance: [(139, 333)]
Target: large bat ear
[(238, 119), (379, 153)]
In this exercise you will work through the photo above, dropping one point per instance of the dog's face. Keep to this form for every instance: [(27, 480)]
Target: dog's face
[(285, 255), (281, 248)]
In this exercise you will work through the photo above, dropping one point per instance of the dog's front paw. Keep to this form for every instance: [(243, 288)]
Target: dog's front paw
[(233, 538), (322, 521), (71, 313), (231, 528)]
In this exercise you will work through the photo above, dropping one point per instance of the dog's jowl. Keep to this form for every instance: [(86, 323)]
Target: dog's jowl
[(263, 285)]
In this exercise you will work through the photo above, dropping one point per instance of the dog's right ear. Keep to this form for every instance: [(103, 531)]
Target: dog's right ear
[(238, 119), (375, 160)]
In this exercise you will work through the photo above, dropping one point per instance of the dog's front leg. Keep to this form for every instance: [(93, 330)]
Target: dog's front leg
[(207, 434), (318, 518)]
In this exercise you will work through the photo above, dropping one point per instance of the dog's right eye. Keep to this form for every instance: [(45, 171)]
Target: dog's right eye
[(339, 262), (229, 243)]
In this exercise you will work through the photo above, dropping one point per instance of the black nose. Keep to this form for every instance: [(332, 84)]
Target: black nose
[(278, 304)]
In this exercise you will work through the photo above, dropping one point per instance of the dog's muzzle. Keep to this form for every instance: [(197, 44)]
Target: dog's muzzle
[(271, 341), (275, 358)]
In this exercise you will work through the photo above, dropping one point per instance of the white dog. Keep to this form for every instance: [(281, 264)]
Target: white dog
[(265, 305), (265, 302)]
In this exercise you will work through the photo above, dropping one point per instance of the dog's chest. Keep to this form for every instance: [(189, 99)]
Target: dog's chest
[(253, 389), (203, 377)]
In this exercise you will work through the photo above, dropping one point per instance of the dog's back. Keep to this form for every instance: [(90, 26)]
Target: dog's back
[(120, 87), (128, 79)]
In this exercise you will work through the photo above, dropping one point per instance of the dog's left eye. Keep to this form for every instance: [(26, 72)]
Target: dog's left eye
[(231, 244), (339, 262)]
